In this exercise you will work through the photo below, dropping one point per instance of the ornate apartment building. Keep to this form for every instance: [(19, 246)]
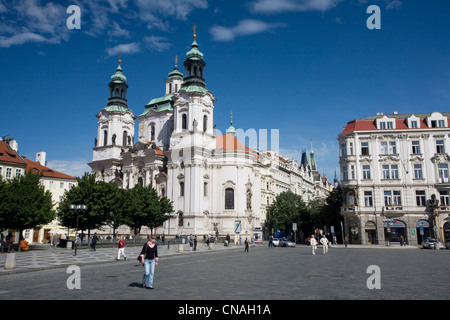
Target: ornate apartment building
[(395, 178)]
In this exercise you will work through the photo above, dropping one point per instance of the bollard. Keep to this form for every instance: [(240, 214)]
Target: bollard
[(180, 247), (10, 262), (211, 246), (69, 245)]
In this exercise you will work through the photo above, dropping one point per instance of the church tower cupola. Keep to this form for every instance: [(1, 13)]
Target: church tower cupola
[(118, 88), (173, 83), (194, 66)]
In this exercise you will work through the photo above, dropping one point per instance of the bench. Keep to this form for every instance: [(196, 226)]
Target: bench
[(12, 247)]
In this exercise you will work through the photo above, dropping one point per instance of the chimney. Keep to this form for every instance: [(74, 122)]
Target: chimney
[(13, 145), (40, 157)]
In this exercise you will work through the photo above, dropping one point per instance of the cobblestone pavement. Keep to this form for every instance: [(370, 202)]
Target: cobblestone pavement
[(229, 273)]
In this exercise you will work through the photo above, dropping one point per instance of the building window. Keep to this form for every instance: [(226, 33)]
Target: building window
[(443, 172), (205, 123), (420, 198), (229, 198), (345, 173), (352, 172), (350, 145), (152, 133), (184, 122), (368, 200), (382, 125), (445, 198), (205, 189), (181, 189), (105, 137), (18, 172), (70, 185), (343, 149), (8, 172), (440, 146), (416, 147), (418, 171), (1, 171), (124, 138), (364, 148), (392, 198), (366, 172), (394, 171), (414, 124), (61, 185), (385, 170), (390, 125), (441, 123)]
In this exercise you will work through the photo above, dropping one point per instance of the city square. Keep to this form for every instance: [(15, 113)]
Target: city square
[(234, 127), (263, 274)]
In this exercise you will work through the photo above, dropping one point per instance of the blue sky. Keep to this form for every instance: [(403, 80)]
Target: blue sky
[(304, 67)]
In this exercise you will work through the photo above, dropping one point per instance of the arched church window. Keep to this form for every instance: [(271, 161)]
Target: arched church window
[(205, 123), (105, 137), (181, 189), (152, 133), (195, 71), (229, 198), (205, 189), (124, 138), (200, 72), (170, 88), (184, 122), (176, 87), (121, 93)]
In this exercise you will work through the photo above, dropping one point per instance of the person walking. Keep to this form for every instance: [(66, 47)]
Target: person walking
[(191, 242), (324, 242), (195, 243), (313, 243), (55, 241), (270, 241), (346, 241), (253, 240), (94, 241), (149, 257), (246, 244), (121, 251)]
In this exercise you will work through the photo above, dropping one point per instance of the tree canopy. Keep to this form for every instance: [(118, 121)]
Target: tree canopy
[(24, 204)]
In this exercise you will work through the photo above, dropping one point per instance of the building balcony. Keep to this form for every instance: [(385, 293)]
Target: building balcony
[(348, 208)]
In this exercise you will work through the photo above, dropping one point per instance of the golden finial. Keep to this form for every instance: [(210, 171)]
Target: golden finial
[(195, 28), (120, 58), (231, 117)]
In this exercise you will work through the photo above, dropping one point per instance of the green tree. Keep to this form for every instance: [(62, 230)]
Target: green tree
[(24, 203), (146, 208), (286, 209), (99, 198)]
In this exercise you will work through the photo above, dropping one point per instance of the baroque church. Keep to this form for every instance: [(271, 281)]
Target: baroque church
[(217, 184)]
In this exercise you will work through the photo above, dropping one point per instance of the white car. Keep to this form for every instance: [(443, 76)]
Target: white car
[(276, 242)]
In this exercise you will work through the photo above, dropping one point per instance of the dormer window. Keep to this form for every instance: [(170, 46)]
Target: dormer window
[(436, 120), (385, 123)]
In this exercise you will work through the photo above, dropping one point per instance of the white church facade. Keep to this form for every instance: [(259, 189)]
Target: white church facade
[(214, 181)]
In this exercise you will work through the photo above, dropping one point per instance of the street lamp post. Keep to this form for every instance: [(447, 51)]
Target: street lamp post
[(170, 215), (77, 208)]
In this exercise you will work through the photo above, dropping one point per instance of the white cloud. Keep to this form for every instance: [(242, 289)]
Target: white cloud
[(75, 168), (26, 21), (245, 27), (394, 4), (279, 6), (157, 43), (153, 11), (129, 48)]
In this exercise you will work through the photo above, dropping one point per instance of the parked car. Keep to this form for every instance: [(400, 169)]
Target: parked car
[(430, 243), (286, 243), (276, 242)]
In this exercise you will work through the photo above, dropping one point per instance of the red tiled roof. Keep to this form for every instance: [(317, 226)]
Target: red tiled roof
[(47, 172), (370, 124), (229, 143), (9, 155)]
